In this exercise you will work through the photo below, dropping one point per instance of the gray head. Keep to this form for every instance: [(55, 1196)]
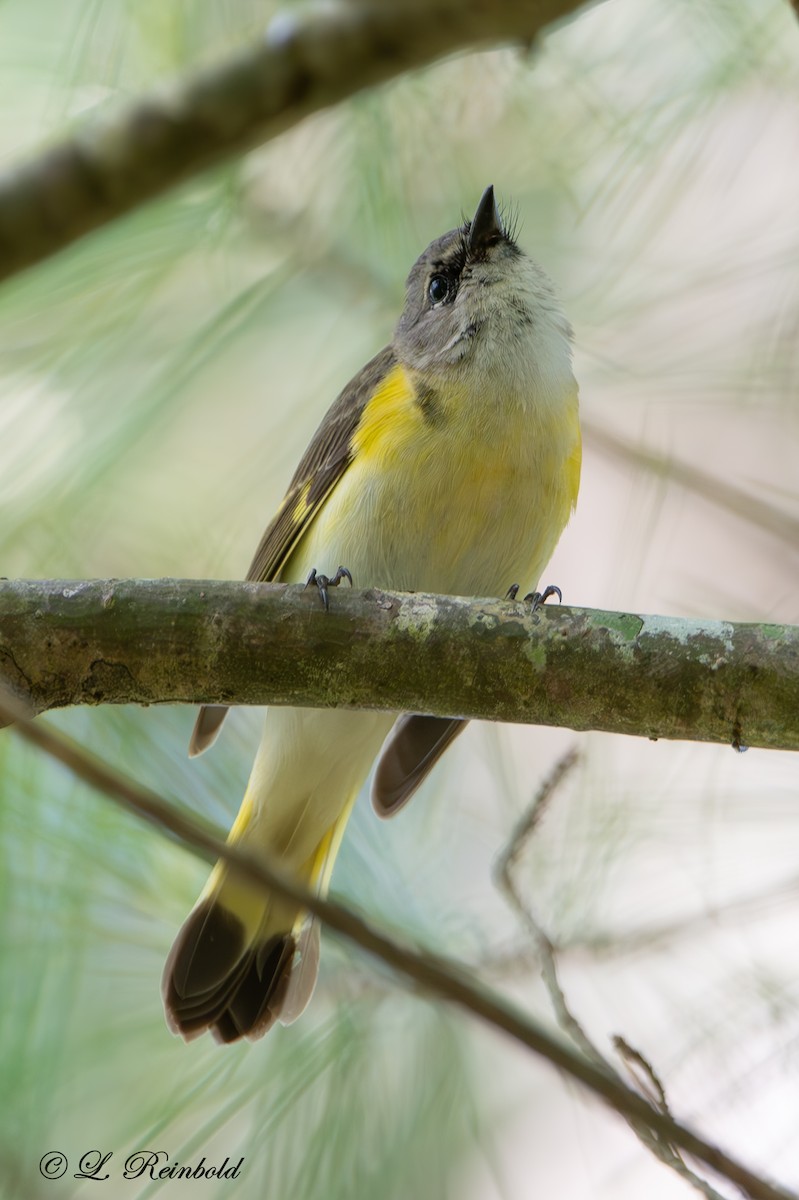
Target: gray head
[(477, 304)]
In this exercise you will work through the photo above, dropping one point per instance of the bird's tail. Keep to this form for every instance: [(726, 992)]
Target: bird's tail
[(243, 958)]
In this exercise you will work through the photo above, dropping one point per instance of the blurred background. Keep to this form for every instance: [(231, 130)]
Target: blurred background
[(158, 383)]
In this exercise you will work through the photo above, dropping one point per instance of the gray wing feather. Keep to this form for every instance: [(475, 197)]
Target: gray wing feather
[(206, 727), (410, 751)]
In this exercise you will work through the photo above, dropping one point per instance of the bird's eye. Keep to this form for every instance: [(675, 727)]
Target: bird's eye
[(439, 289)]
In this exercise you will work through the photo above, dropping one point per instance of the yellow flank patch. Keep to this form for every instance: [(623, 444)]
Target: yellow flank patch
[(574, 461), (390, 417), (243, 818), (327, 850)]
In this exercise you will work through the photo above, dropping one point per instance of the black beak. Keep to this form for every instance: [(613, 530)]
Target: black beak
[(486, 225)]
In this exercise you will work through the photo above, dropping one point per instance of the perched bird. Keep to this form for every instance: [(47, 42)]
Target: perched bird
[(450, 464)]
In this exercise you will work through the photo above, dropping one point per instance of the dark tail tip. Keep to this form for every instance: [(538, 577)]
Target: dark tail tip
[(215, 980)]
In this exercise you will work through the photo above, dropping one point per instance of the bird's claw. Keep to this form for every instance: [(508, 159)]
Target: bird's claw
[(323, 583), (512, 592), (539, 598)]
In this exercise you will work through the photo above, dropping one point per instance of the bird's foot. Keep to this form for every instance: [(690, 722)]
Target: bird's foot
[(535, 598), (323, 583), (539, 598)]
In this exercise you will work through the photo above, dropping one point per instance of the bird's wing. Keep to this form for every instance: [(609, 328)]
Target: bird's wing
[(321, 467), (410, 751)]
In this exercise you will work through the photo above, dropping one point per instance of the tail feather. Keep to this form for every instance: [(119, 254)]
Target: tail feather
[(242, 959), (302, 979), (256, 1003), (207, 950), (215, 980)]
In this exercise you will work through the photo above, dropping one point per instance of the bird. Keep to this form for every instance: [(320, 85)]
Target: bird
[(450, 464)]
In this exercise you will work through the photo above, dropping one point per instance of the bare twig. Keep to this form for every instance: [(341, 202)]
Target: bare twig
[(305, 61), (647, 1078), (191, 641), (644, 1075), (436, 976)]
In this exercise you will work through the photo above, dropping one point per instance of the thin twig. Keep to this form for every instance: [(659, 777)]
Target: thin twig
[(438, 977), (663, 1148), (649, 1082)]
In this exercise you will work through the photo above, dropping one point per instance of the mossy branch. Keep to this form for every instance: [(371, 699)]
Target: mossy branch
[(304, 62), (192, 641)]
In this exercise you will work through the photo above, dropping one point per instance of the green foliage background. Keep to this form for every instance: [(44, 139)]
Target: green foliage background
[(157, 384)]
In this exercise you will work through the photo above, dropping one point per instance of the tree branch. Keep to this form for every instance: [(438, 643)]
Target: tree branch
[(189, 641), (115, 162), (438, 977)]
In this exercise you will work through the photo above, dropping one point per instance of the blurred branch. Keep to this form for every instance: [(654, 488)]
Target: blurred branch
[(646, 937), (546, 952), (304, 62), (189, 641), (436, 976), (726, 495)]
